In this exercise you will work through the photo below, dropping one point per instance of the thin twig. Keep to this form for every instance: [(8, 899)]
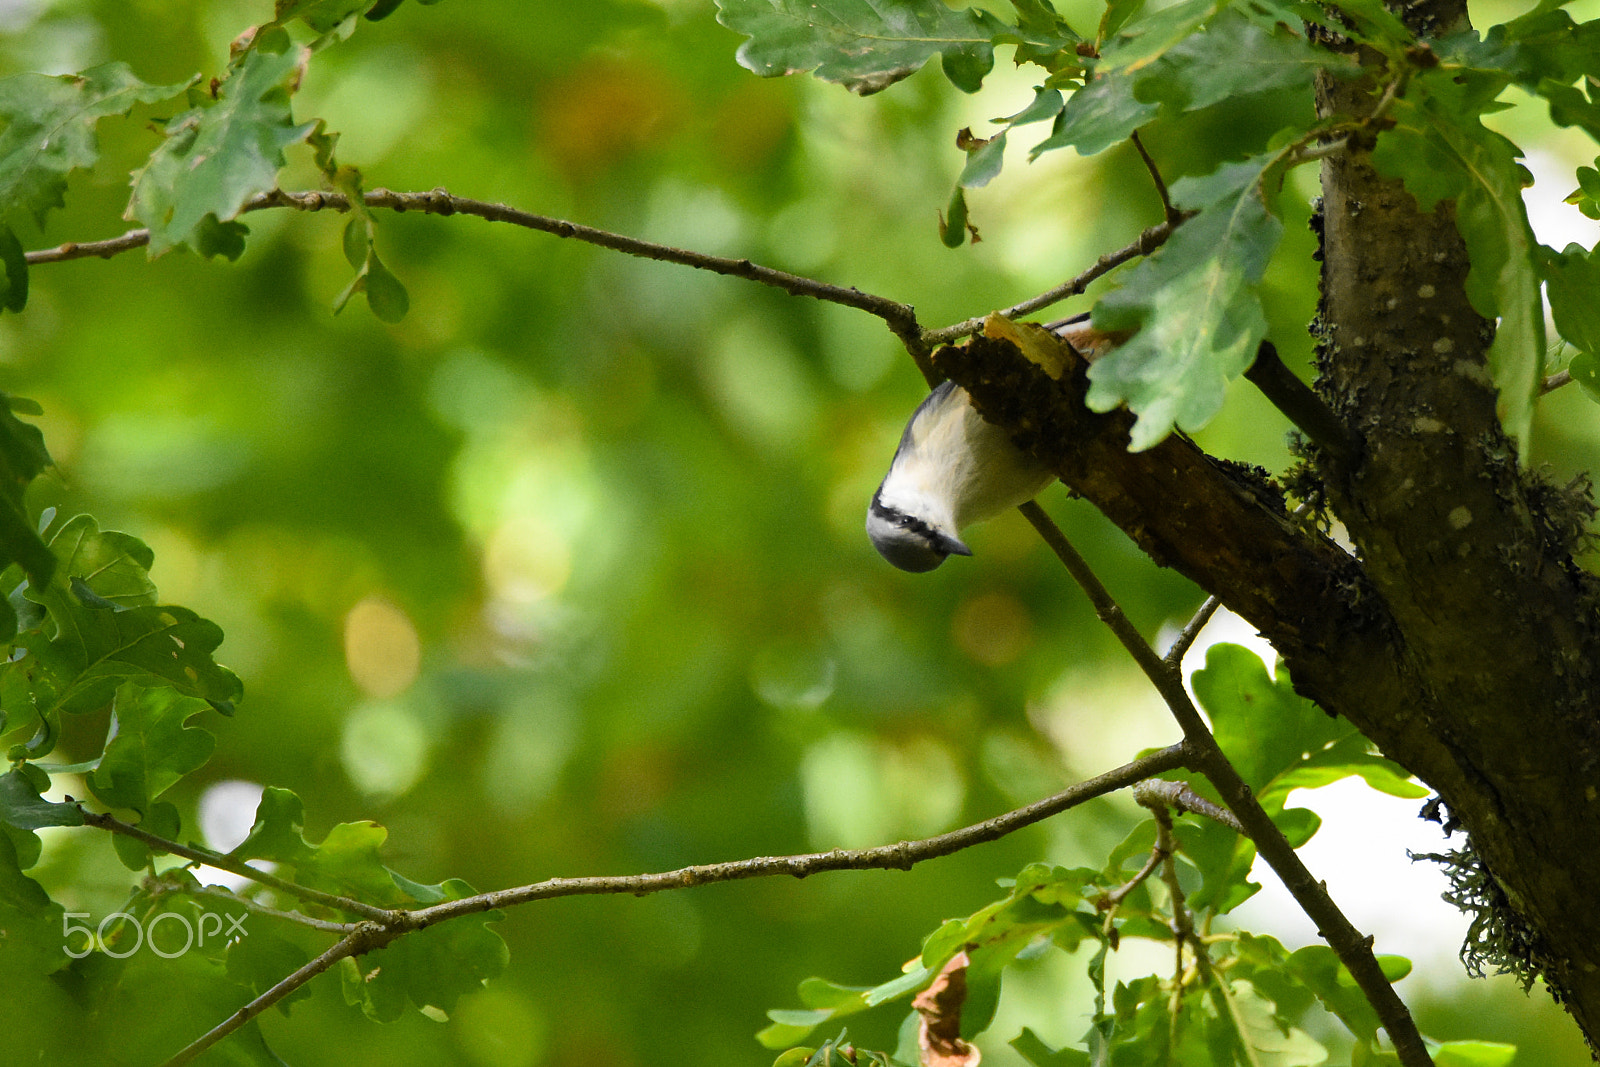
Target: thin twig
[(1311, 153), (900, 856), (1555, 381), (387, 925), (239, 867), (1191, 630), (900, 318), (1170, 213), (365, 938), (1300, 403), (1147, 242), (224, 897), (1353, 949), (1160, 793)]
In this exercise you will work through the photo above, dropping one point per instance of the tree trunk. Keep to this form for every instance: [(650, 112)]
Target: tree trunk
[(1462, 636)]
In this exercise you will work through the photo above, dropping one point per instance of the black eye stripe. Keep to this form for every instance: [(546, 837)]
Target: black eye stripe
[(901, 519)]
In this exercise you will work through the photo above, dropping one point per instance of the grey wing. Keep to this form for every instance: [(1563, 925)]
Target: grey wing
[(940, 394)]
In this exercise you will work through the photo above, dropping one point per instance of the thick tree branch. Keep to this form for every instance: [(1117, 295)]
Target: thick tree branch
[(1494, 620)]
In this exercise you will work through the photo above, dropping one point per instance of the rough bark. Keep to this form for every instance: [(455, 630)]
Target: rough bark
[(1462, 637)]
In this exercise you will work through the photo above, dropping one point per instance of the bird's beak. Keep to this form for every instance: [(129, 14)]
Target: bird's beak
[(951, 546)]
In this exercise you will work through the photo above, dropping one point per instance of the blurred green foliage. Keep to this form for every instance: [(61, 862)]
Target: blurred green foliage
[(564, 573)]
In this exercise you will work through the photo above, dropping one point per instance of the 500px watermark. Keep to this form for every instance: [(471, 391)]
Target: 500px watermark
[(112, 935)]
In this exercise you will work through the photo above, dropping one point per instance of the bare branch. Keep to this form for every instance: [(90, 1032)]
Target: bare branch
[(239, 867), (1172, 214), (1147, 242), (385, 926), (222, 896), (1300, 403), (1191, 630), (1353, 949), (900, 318), (900, 856), (87, 249), (1161, 794)]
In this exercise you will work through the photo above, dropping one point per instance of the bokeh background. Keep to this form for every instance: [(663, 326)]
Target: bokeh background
[(564, 574)]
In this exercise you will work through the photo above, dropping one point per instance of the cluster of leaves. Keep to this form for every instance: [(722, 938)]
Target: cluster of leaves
[(223, 150), (1196, 302), (1241, 1000), (87, 631), (82, 631)]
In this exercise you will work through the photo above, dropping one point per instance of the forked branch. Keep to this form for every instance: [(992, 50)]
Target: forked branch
[(376, 932), (1353, 949)]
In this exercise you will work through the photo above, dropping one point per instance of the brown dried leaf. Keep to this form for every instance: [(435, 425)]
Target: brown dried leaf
[(939, 1035)]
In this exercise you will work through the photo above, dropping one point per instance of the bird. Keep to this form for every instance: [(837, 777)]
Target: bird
[(953, 469)]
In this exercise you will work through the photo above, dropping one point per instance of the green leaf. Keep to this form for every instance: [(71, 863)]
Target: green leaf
[(1474, 1054), (162, 820), (953, 226), (22, 459), (50, 130), (1164, 61), (106, 629), (22, 806), (31, 920), (1195, 307), (1039, 1054), (218, 155), (864, 45), (225, 239), (385, 295), (434, 967), (153, 747), (1280, 741), (819, 993), (1572, 281), (259, 961), (279, 829), (983, 163), (1585, 370), (347, 862), (320, 15), (1272, 1041), (1319, 970), (1441, 151), (1101, 114), (14, 295)]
